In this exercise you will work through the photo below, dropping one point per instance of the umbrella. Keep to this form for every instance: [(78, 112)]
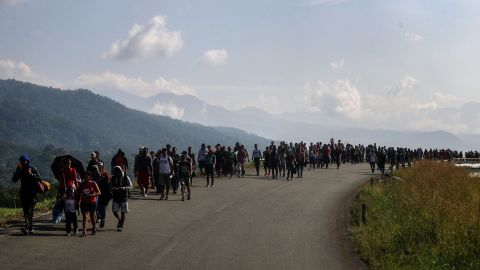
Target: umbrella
[(57, 164)]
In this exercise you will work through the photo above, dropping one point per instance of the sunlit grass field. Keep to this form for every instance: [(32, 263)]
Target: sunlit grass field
[(427, 219)]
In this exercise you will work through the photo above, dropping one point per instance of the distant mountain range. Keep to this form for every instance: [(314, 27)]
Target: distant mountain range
[(36, 116), (299, 126)]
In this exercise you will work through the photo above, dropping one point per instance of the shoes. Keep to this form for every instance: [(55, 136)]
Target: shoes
[(24, 231), (120, 229), (166, 198), (211, 185), (161, 197), (188, 197), (102, 223), (145, 195), (68, 234), (94, 232), (207, 185), (183, 199), (31, 232)]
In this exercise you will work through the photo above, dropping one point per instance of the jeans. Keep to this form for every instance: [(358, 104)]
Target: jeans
[(71, 219)]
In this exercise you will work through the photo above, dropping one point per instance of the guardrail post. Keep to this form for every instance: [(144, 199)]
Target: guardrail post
[(364, 214)]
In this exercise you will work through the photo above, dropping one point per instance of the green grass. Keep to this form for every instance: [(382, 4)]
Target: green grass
[(15, 214), (428, 220)]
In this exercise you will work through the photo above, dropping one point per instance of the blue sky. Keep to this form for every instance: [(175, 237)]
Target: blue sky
[(359, 60)]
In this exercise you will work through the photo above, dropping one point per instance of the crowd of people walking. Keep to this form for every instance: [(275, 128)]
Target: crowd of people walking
[(165, 171)]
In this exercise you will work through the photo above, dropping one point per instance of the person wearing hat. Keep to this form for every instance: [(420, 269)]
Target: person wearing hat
[(29, 178)]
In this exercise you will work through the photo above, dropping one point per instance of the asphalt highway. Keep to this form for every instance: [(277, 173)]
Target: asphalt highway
[(249, 223)]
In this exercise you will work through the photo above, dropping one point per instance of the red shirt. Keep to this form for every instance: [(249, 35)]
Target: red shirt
[(86, 188), (67, 178)]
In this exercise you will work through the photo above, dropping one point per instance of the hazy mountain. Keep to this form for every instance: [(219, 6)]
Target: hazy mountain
[(297, 126)]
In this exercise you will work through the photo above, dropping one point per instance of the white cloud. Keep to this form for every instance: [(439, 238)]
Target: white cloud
[(407, 83), (411, 36), (348, 98), (174, 86), (342, 99), (446, 99), (168, 109), (10, 69), (136, 86), (112, 80), (269, 103), (338, 64), (152, 39), (215, 57), (429, 106)]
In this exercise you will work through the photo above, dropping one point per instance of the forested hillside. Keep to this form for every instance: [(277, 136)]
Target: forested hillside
[(33, 117)]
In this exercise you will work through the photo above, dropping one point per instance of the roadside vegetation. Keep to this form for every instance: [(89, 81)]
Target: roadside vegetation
[(11, 208), (428, 218)]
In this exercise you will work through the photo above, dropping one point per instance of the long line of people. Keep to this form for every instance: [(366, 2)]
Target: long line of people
[(165, 170)]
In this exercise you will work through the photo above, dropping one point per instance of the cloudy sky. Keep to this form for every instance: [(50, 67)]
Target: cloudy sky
[(369, 63)]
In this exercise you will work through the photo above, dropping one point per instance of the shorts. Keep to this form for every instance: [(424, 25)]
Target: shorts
[(88, 207), (201, 164), (164, 180), (120, 207)]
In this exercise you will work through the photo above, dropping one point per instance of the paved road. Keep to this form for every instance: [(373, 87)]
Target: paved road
[(250, 223)]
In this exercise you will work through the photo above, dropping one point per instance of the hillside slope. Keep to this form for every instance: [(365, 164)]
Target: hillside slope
[(35, 116)]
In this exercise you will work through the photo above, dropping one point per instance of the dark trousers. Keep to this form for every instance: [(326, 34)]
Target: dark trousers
[(290, 171), (257, 165), (174, 182), (101, 211), (28, 206), (372, 166), (300, 169), (209, 173), (70, 219), (274, 170)]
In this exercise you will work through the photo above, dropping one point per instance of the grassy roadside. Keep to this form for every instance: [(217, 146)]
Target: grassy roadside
[(13, 214), (428, 220)]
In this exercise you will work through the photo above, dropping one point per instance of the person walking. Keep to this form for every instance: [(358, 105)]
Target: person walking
[(274, 161), (165, 170), (202, 154), (29, 179), (257, 157), (290, 162), (143, 170), (372, 159), (184, 172), (103, 181), (209, 167), (89, 192), (120, 184), (71, 208)]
